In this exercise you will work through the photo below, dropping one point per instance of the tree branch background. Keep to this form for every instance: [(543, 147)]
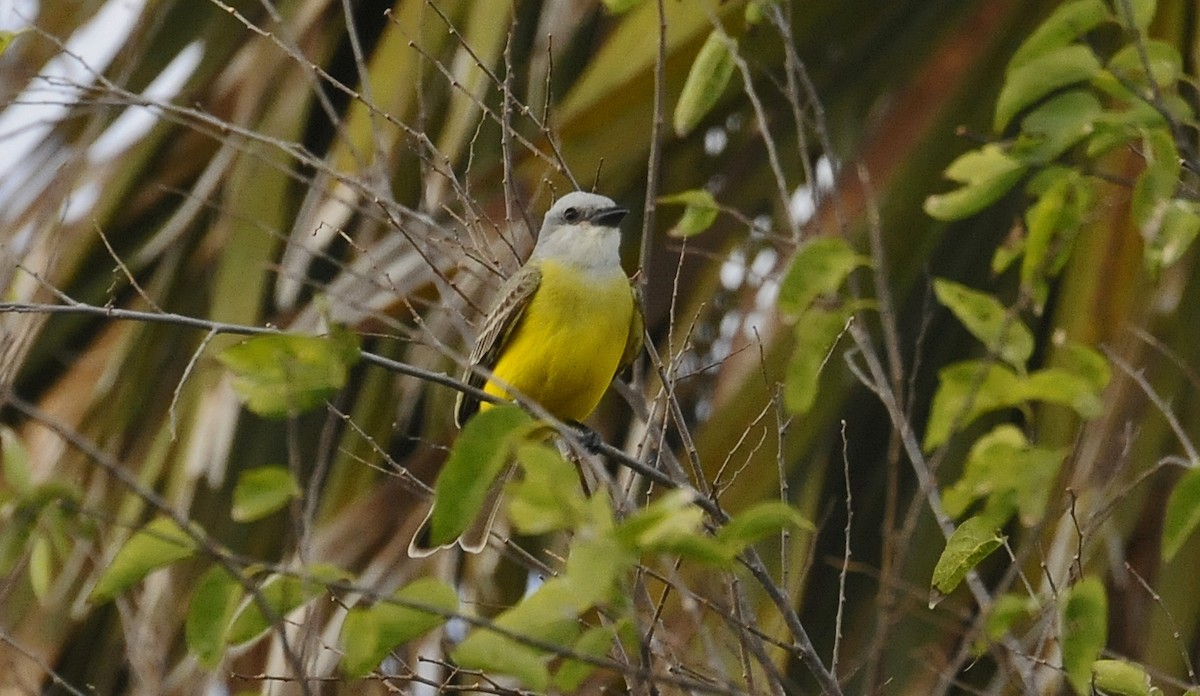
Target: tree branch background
[(235, 168)]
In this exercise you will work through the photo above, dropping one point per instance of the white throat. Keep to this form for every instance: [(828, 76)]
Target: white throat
[(584, 246)]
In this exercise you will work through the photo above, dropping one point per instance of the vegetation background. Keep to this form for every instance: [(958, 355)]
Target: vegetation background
[(380, 165)]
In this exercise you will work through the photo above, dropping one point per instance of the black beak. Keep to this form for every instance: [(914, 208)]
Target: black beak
[(609, 217)]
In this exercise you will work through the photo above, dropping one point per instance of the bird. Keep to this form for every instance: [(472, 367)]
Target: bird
[(566, 323), (558, 332)]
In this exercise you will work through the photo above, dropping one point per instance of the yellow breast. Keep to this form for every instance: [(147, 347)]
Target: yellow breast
[(568, 345)]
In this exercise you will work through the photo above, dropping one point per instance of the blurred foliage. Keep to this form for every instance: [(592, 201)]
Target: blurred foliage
[(931, 288)]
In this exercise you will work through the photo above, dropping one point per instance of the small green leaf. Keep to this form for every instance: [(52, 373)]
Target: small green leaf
[(595, 642), (967, 390), (819, 267), (1120, 678), (212, 607), (369, 634), (1030, 81), (41, 567), (492, 652), (1166, 65), (1002, 462), (159, 543), (1086, 363), (1085, 631), (280, 375), (817, 332), (478, 456), (1156, 185), (261, 491), (281, 594), (1183, 512), (986, 174), (1143, 12), (699, 213), (548, 497), (1007, 610), (974, 539), (594, 567), (1057, 125), (1053, 223), (673, 515), (550, 614), (1065, 388), (760, 521), (1068, 22), (15, 460), (1177, 229), (706, 82), (1003, 333)]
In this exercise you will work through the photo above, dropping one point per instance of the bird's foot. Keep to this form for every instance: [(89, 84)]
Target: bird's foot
[(590, 439)]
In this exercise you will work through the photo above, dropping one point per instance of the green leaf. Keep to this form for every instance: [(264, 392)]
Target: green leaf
[(1177, 229), (699, 213), (706, 81), (15, 460), (1156, 185), (550, 614), (819, 267), (671, 516), (281, 375), (1003, 462), (1120, 678), (159, 543), (594, 566), (1012, 248), (41, 567), (817, 332), (1007, 610), (261, 491), (1057, 125), (1053, 223), (673, 524), (281, 594), (987, 174), (1068, 22), (1085, 631), (595, 642), (1183, 512), (1166, 65), (760, 521), (1086, 363), (491, 652), (1039, 76), (1003, 333), (967, 390), (548, 497), (478, 456), (1065, 388), (212, 607), (1143, 12), (974, 539), (369, 634)]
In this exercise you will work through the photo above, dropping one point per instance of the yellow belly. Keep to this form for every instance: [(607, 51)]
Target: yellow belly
[(568, 346)]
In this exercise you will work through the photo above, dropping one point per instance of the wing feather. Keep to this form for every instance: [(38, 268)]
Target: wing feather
[(637, 327), (502, 318)]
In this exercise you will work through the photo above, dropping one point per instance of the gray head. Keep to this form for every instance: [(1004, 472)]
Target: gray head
[(581, 229), (580, 207)]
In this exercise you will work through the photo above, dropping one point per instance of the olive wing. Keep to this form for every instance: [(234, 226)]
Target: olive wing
[(505, 314)]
